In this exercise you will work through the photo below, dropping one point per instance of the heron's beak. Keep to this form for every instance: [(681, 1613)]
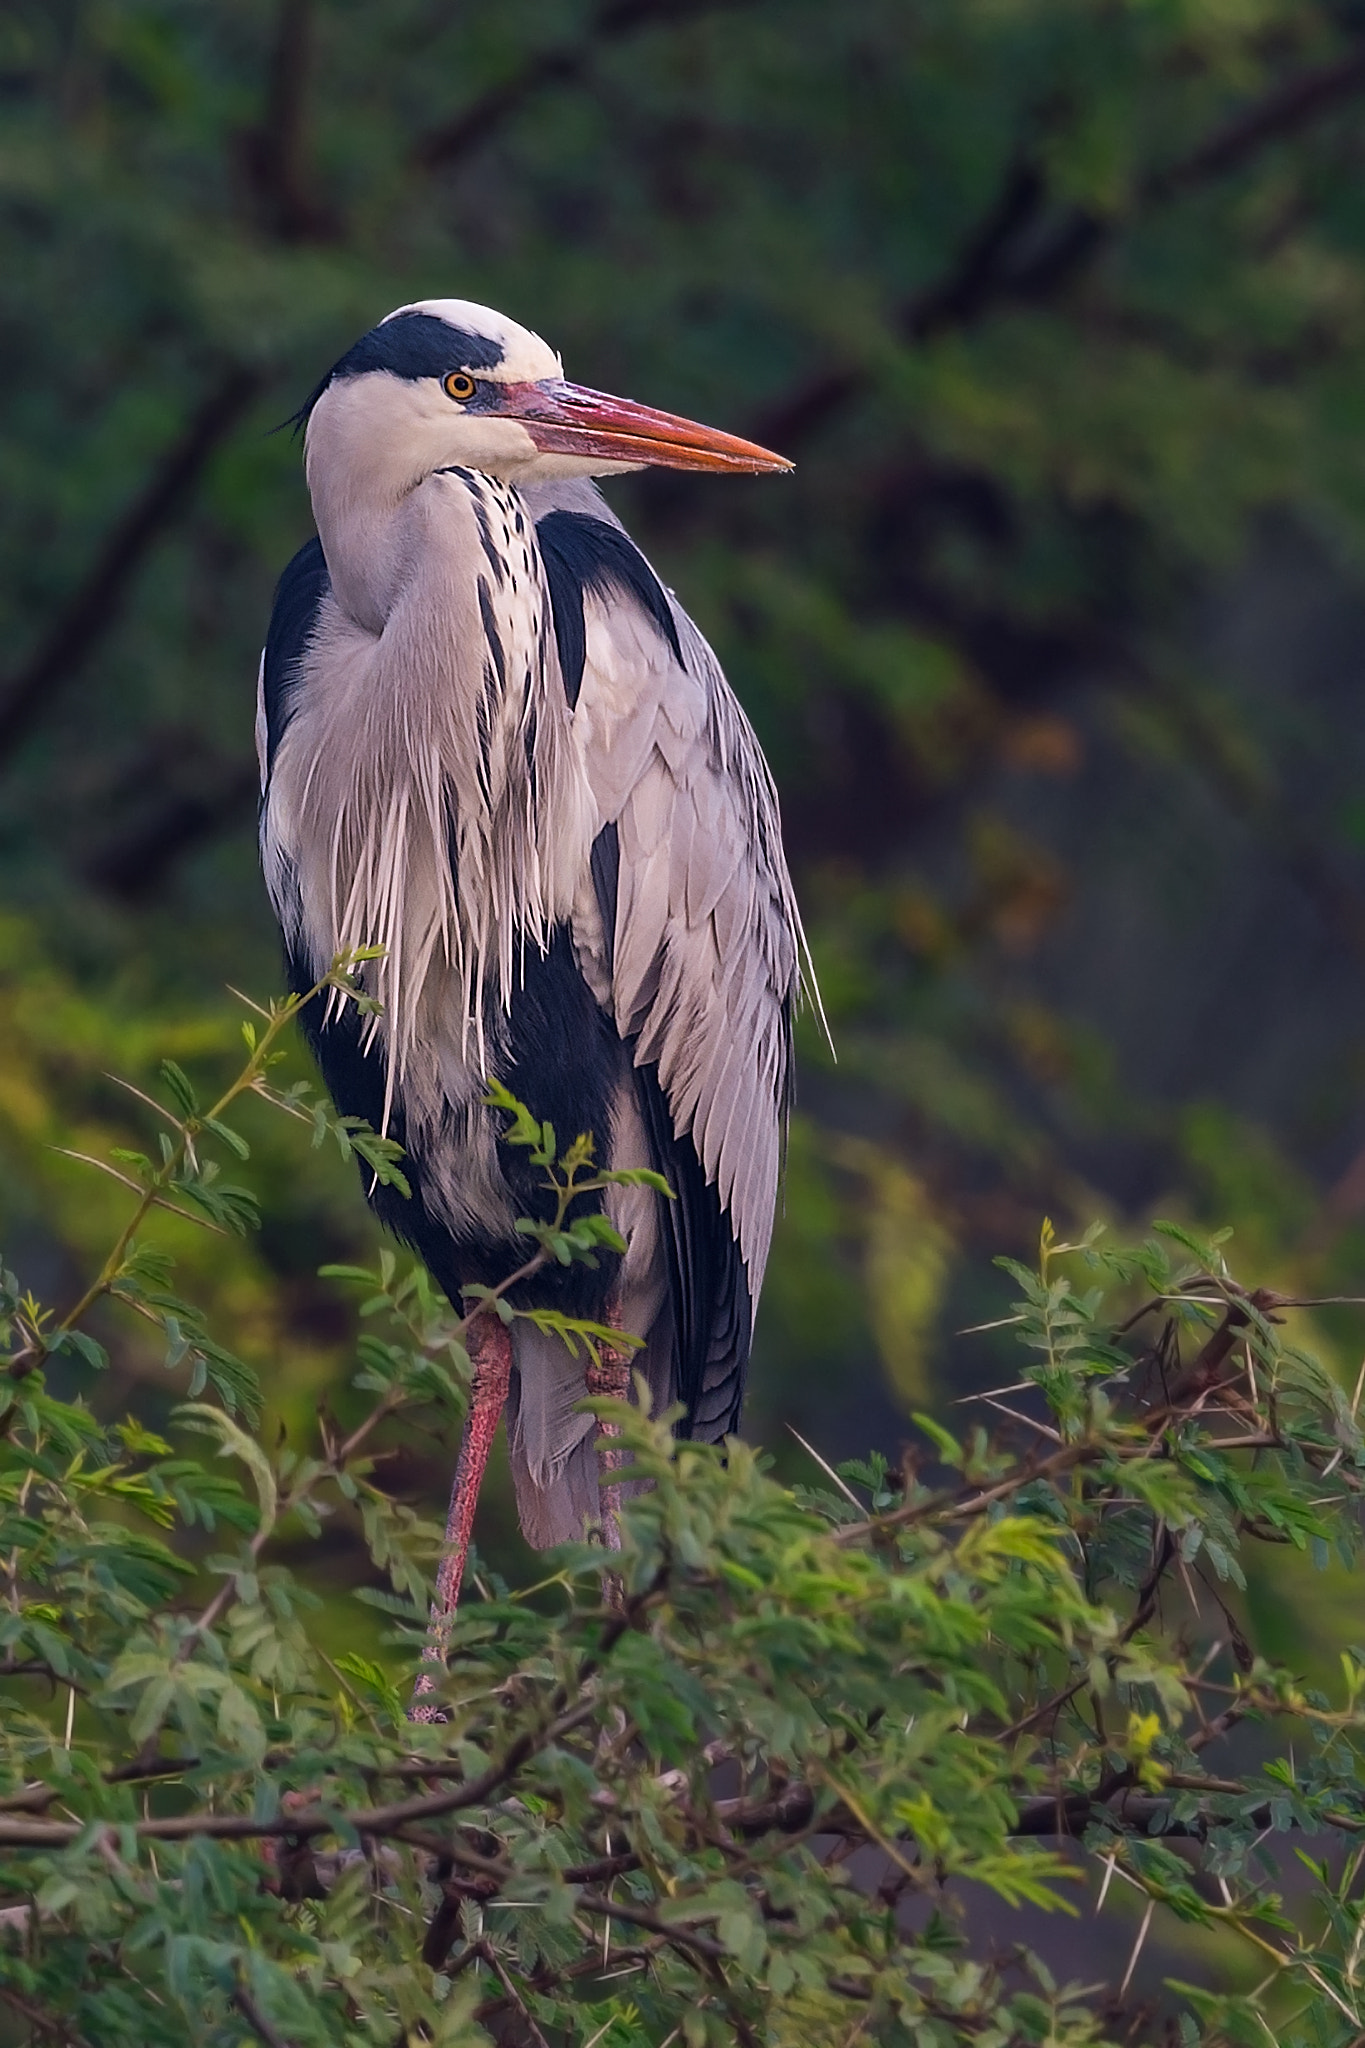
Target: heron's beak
[(568, 419)]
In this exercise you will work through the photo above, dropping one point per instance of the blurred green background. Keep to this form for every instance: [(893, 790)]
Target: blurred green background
[(1056, 639)]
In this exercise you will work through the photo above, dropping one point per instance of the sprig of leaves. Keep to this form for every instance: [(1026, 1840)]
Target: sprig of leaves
[(209, 1820), (183, 1180)]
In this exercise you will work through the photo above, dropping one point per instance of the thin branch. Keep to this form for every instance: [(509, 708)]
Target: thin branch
[(678, 1934), (499, 105), (92, 611), (993, 269), (1283, 111), (940, 1509), (1203, 1370), (150, 1100), (496, 1965), (30, 1799), (51, 2029), (1028, 1421), (126, 1180), (548, 1976), (1148, 1595), (845, 1489), (375, 1820), (256, 2019), (152, 1194), (1219, 1726), (133, 864), (274, 152)]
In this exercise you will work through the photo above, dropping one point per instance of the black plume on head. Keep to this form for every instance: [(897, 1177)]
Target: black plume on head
[(411, 345)]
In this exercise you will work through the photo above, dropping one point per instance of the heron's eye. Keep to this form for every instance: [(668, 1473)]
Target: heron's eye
[(459, 384)]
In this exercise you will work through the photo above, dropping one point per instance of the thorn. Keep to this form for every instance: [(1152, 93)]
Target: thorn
[(249, 1003), (1137, 1948), (1015, 1416), (150, 1100), (606, 1918), (1189, 1586), (827, 1469), (1209, 1656)]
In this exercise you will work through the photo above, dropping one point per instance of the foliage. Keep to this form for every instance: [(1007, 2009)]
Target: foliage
[(1052, 639), (1058, 306), (728, 1783)]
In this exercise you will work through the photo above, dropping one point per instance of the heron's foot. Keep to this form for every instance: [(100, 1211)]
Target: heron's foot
[(420, 1709), (609, 1375), (489, 1344), (609, 1378)]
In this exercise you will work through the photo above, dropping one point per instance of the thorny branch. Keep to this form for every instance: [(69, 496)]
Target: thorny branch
[(464, 1819), (794, 1808), (251, 1080)]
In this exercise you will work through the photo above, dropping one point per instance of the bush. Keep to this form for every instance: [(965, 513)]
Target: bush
[(726, 1785)]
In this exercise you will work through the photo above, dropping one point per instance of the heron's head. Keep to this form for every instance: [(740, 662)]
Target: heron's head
[(445, 383)]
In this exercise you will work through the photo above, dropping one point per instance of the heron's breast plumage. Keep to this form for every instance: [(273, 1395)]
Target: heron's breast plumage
[(425, 797)]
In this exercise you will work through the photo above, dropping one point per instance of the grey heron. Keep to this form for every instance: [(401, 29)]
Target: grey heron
[(493, 744)]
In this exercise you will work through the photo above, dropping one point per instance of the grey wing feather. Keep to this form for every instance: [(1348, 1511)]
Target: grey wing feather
[(688, 934), (707, 947)]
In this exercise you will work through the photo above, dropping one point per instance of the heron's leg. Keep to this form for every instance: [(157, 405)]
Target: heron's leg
[(489, 1344), (609, 1375)]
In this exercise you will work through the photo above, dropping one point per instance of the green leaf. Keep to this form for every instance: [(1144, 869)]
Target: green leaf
[(179, 1088), (232, 1139), (234, 1442), (84, 1347)]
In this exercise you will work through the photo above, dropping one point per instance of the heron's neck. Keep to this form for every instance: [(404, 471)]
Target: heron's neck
[(366, 455), (366, 526)]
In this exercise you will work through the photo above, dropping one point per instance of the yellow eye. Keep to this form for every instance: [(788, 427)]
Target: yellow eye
[(459, 385)]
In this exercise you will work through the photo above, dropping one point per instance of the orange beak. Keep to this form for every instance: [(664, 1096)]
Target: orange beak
[(568, 419)]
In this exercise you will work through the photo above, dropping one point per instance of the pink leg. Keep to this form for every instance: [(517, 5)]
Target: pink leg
[(489, 1344), (609, 1375)]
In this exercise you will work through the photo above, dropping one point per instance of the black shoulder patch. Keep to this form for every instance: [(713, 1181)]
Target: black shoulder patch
[(409, 345), (581, 553), (298, 594), (605, 864), (706, 1277), (707, 1283)]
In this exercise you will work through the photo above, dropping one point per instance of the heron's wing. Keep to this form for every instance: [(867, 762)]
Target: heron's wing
[(704, 962), (699, 930)]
